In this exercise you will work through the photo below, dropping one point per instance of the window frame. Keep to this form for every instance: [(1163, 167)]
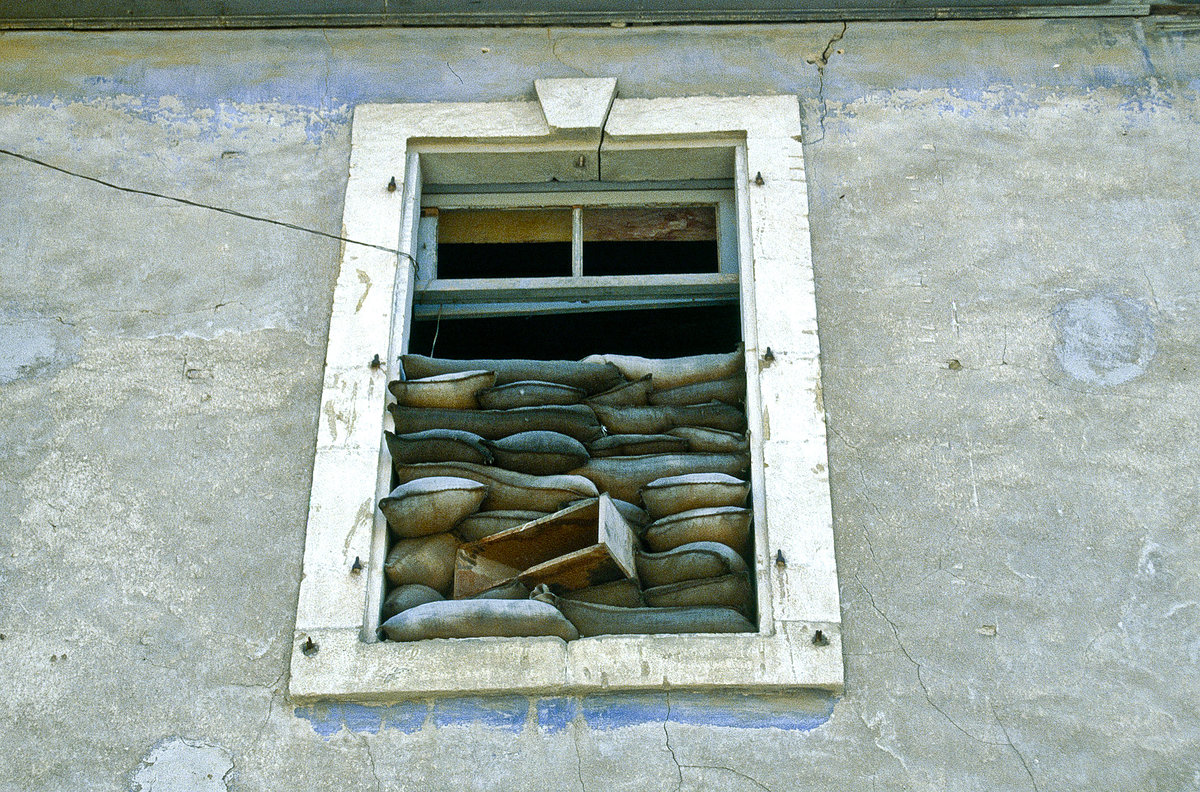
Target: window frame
[(335, 651)]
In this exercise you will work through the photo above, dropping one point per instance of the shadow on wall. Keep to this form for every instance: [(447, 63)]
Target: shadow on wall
[(800, 712)]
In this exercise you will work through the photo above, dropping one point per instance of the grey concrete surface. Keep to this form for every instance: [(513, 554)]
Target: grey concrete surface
[(1005, 235)]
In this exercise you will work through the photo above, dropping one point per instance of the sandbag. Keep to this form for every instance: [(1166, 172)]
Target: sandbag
[(677, 493), (529, 393), (431, 505), (437, 445), (574, 420), (658, 419), (486, 523), (627, 394), (507, 489), (479, 618), (728, 591), (592, 619), (401, 598), (712, 440), (624, 476), (634, 515), (428, 561), (450, 391), (675, 372), (728, 391), (592, 377), (637, 445), (692, 561), (622, 593), (728, 525), (538, 453)]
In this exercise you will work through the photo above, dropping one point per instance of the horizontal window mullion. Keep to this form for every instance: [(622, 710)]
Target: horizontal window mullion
[(606, 287)]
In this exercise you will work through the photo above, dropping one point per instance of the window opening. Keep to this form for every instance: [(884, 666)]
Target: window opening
[(636, 565)]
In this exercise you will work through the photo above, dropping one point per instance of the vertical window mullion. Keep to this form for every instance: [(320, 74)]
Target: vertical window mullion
[(577, 241)]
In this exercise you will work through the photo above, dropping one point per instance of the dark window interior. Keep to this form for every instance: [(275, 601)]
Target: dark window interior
[(648, 258), (665, 332), (504, 260)]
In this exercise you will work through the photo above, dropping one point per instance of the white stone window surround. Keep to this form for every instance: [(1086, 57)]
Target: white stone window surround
[(335, 652)]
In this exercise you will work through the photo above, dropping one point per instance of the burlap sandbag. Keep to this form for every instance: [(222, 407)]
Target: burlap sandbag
[(479, 618), (431, 505), (676, 493), (692, 561), (428, 561), (658, 419), (624, 476), (728, 525), (574, 420), (457, 391), (675, 372), (410, 595), (529, 393), (592, 377), (592, 619), (437, 445), (507, 489), (538, 453)]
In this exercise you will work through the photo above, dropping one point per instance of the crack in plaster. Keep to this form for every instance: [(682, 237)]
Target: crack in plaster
[(1014, 748), (679, 767), (578, 758), (821, 63), (554, 52), (919, 667), (371, 759)]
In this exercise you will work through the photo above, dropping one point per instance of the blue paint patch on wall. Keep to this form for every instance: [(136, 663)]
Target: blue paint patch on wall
[(555, 714), (327, 719), (802, 711), (613, 712), (503, 712)]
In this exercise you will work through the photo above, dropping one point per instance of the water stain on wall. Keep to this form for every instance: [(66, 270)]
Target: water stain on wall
[(1104, 339)]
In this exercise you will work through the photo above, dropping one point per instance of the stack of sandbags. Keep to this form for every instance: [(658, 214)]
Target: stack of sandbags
[(533, 436)]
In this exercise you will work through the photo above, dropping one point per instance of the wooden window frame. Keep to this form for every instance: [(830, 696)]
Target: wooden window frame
[(335, 652)]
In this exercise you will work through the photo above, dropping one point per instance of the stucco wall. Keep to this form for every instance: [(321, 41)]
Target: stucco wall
[(1005, 236)]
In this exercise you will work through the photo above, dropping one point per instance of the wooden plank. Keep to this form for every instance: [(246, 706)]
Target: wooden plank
[(474, 573), (599, 287), (650, 224), (590, 566), (562, 532), (580, 546), (504, 225)]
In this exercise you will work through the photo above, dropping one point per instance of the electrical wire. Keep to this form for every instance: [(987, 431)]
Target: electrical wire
[(210, 207)]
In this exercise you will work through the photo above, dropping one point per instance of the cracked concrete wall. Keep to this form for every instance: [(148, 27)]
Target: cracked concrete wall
[(1005, 237)]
